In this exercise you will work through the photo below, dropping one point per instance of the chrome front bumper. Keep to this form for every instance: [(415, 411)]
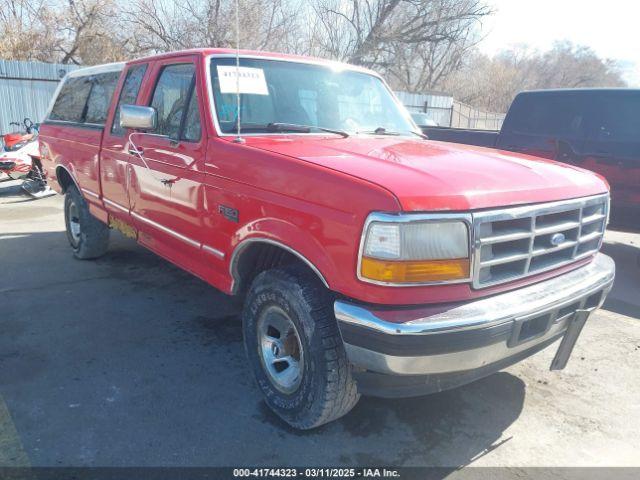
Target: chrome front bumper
[(454, 338)]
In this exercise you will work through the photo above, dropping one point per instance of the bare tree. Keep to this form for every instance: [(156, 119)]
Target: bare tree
[(418, 45), (415, 43), (369, 32), (69, 31), (27, 30), (574, 66), (85, 27), (163, 25), (491, 83), (424, 67)]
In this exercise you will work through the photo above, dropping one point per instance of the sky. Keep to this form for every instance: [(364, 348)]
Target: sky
[(611, 28)]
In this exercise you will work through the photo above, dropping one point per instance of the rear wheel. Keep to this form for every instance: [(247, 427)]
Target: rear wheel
[(88, 236), (295, 350)]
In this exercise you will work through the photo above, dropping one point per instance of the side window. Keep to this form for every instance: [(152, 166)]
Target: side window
[(191, 130), (100, 97), (618, 119), (128, 94), (70, 103), (549, 115), (171, 97)]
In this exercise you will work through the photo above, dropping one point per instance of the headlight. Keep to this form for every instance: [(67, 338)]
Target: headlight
[(414, 249)]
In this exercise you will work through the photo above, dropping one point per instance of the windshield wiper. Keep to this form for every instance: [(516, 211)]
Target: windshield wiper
[(294, 127), (421, 135), (384, 131)]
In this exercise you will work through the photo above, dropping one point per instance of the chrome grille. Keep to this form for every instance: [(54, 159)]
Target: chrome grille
[(514, 243)]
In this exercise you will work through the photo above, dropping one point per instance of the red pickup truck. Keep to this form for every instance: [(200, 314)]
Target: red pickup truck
[(370, 260)]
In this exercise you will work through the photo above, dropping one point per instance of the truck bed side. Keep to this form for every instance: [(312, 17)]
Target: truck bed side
[(482, 138)]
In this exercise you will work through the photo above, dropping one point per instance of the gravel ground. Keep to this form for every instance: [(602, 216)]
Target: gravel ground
[(128, 361)]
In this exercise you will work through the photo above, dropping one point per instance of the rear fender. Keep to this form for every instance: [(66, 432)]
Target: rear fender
[(60, 185)]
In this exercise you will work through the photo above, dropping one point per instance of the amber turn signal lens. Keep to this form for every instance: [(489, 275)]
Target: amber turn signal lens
[(421, 271)]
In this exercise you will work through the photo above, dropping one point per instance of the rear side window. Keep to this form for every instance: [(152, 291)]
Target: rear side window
[(102, 89), (128, 94), (70, 103), (549, 115), (618, 119), (175, 101)]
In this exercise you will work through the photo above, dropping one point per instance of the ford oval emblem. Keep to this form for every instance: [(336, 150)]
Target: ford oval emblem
[(557, 239)]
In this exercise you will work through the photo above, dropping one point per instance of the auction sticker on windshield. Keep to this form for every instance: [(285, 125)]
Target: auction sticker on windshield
[(251, 80)]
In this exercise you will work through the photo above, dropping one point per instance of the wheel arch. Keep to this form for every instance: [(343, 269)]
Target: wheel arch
[(65, 178), (256, 254)]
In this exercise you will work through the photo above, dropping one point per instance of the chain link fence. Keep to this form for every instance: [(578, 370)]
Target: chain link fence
[(447, 112), (465, 116)]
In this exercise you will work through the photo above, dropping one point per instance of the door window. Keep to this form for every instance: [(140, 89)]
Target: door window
[(176, 102), (128, 94)]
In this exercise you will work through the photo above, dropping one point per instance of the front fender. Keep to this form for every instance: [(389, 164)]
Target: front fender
[(298, 241)]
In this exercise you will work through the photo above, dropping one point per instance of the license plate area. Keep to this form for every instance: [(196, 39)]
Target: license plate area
[(535, 325), (530, 327)]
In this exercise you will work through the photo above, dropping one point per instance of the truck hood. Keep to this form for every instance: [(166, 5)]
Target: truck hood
[(428, 175)]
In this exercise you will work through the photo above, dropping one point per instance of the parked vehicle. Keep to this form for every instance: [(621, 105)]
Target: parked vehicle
[(370, 261), (20, 159), (423, 120), (596, 129), (18, 150)]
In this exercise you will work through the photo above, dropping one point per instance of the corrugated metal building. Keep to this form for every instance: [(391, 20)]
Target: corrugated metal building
[(26, 89)]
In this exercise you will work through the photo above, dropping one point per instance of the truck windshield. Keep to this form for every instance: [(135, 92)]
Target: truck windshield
[(299, 94)]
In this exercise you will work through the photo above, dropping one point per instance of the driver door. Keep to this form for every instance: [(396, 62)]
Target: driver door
[(166, 176)]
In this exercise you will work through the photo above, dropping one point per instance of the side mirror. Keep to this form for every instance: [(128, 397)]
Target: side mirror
[(138, 117)]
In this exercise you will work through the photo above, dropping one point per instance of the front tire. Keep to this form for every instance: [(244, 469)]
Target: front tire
[(88, 236), (295, 349)]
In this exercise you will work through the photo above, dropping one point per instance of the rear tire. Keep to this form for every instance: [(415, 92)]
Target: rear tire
[(88, 236), (289, 314)]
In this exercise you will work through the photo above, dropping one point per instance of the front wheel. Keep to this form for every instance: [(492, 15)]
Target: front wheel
[(295, 350), (88, 236)]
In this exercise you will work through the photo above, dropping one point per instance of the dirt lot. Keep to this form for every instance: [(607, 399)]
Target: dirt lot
[(129, 361)]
